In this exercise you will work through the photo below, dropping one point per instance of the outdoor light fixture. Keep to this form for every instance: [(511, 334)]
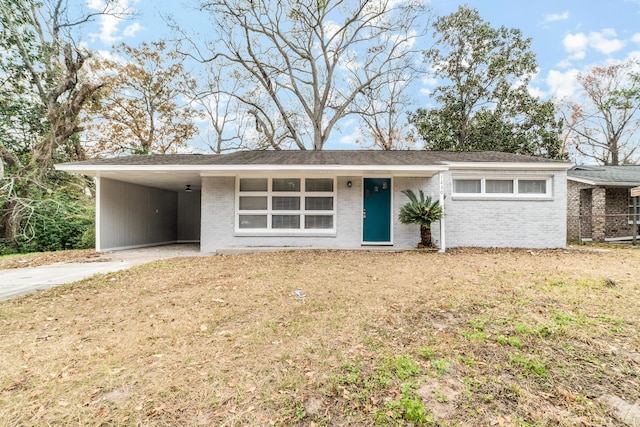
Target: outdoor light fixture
[(349, 184), (188, 189)]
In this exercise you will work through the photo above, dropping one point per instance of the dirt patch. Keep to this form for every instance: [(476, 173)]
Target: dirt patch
[(469, 337)]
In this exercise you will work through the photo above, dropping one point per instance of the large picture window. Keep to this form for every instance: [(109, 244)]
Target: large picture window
[(465, 186), (285, 204)]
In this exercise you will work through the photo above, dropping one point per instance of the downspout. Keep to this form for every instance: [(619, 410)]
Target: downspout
[(98, 197), (443, 246)]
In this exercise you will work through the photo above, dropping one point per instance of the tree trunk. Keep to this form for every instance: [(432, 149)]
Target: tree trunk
[(425, 238)]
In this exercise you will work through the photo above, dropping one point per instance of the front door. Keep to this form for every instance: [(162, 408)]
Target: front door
[(376, 223)]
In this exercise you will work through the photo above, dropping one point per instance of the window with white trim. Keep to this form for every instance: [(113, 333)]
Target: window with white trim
[(633, 210), (501, 186), (285, 204)]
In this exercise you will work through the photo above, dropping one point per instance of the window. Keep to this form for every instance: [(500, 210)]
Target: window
[(631, 211), (469, 186), (285, 204), (532, 186), (501, 187)]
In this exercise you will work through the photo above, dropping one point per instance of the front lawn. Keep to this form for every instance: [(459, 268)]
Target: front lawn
[(470, 337)]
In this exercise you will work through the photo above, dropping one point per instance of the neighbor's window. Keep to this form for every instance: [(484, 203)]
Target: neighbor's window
[(466, 186), (286, 204), (633, 211)]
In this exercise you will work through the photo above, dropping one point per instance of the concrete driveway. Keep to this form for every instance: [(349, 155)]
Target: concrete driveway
[(20, 281)]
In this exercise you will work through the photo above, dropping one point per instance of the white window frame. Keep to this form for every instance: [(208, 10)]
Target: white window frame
[(501, 196), (270, 212), (630, 211)]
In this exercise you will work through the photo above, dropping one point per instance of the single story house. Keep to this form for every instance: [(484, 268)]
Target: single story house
[(599, 203), (325, 199)]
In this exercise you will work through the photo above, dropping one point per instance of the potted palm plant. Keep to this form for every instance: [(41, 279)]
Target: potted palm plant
[(422, 211)]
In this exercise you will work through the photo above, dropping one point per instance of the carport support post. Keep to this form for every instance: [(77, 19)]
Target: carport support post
[(98, 196), (442, 241)]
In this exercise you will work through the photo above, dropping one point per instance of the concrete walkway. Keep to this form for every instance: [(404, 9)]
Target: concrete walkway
[(20, 281)]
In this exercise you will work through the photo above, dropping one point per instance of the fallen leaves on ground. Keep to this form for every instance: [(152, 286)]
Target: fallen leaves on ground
[(470, 337)]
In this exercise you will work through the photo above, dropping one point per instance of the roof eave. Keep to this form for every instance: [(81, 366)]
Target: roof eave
[(509, 165), (205, 170), (603, 183)]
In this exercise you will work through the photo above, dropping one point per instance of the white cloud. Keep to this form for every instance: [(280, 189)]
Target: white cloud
[(132, 29), (576, 44), (634, 55), (95, 4), (565, 63), (109, 29), (536, 92), (108, 23), (428, 80), (605, 42), (355, 137), (636, 38), (557, 17), (562, 84)]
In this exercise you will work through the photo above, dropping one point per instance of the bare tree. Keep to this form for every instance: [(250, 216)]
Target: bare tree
[(310, 61), (383, 111), (604, 124), (215, 96)]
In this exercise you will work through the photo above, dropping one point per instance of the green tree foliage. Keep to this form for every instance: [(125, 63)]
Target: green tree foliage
[(483, 101), (44, 90)]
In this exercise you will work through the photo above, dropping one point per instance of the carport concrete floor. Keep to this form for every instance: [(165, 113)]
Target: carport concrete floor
[(20, 281)]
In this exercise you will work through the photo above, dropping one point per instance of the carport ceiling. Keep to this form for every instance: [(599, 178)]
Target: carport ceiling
[(166, 180)]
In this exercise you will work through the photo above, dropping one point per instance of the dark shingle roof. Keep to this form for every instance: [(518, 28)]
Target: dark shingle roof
[(325, 157), (625, 176)]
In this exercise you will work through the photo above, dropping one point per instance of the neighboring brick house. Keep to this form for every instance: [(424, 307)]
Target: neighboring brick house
[(599, 206), (343, 199)]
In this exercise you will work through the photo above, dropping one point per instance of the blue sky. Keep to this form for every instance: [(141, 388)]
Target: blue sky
[(568, 36)]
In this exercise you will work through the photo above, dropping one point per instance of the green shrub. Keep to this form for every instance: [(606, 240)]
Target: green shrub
[(60, 221)]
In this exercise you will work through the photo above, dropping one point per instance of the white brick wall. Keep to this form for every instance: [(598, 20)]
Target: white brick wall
[(508, 223), (218, 202), (488, 223)]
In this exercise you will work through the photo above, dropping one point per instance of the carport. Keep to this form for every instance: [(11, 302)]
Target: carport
[(144, 206)]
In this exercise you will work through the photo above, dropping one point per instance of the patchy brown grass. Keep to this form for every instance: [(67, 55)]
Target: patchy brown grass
[(45, 258), (470, 337)]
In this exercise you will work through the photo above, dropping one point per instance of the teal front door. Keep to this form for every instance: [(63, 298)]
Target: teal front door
[(376, 223)]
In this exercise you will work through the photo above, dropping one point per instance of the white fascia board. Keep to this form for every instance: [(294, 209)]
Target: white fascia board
[(581, 180), (532, 166), (93, 169), (624, 184), (211, 170)]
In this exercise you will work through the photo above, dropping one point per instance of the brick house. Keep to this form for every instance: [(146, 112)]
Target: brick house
[(341, 199), (599, 206)]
